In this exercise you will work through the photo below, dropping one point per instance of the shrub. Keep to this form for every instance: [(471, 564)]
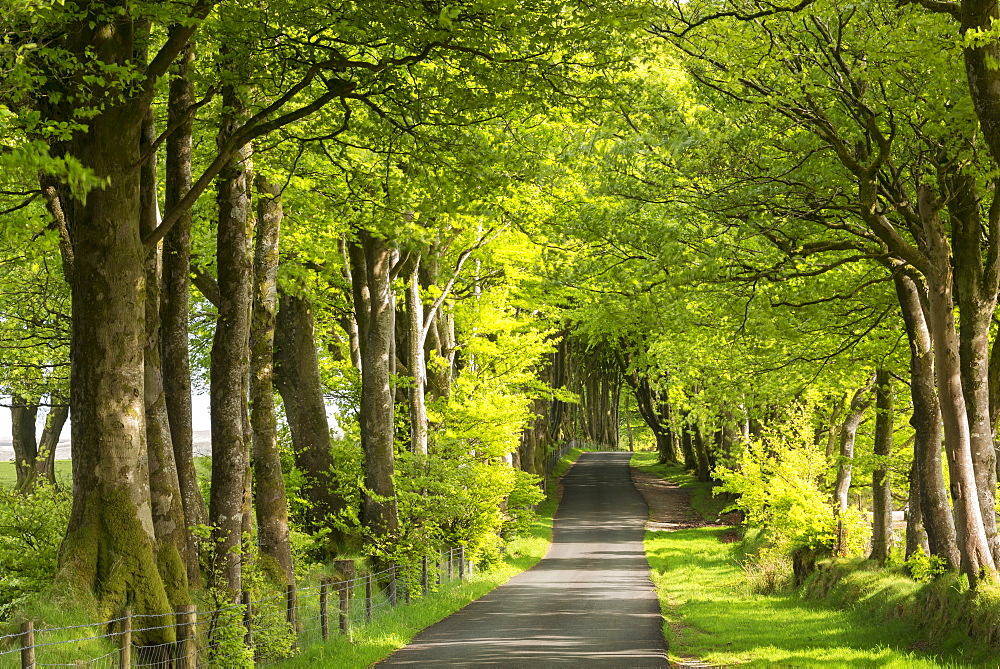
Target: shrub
[(776, 480), (31, 530)]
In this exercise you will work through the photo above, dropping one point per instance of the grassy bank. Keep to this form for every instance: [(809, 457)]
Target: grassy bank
[(397, 628), (710, 612)]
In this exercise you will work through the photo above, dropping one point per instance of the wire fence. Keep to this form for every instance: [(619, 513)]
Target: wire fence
[(262, 631)]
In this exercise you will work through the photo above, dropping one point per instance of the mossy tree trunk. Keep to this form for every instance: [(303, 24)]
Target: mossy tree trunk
[(297, 378), (23, 414), (270, 502), (175, 297), (109, 544), (374, 304), (169, 525), (230, 358)]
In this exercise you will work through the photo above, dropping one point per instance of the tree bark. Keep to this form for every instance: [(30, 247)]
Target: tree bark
[(939, 523), (34, 460), (418, 366), (881, 492), (916, 536), (23, 414), (350, 322), (976, 293), (374, 305), (848, 434), (230, 358), (169, 525), (175, 296), (297, 377), (974, 546), (270, 502), (655, 412), (109, 543), (45, 464), (701, 447)]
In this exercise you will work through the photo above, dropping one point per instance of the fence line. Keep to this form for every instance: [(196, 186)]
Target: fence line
[(266, 630)]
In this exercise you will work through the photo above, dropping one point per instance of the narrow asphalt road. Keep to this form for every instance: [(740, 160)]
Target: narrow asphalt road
[(589, 602)]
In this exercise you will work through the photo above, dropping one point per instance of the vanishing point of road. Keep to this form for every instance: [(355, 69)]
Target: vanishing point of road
[(589, 602)]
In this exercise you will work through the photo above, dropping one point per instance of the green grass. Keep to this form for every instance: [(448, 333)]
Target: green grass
[(711, 615), (710, 612), (8, 473), (397, 628), (58, 608)]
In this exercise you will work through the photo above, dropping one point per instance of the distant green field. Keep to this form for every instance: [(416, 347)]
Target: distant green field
[(8, 474)]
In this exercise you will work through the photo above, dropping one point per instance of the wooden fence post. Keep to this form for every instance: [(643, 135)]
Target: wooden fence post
[(186, 630), (461, 563), (247, 618), (451, 564), (125, 654), (346, 569), (408, 590), (368, 596), (324, 618), (28, 645), (290, 607)]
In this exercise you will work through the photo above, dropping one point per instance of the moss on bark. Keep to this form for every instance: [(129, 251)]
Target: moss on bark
[(113, 552)]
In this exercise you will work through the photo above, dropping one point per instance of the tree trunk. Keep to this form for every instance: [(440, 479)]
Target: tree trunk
[(881, 493), (169, 526), (45, 464), (418, 366), (655, 413), (704, 469), (297, 377), (687, 447), (23, 414), (833, 429), (976, 294), (974, 546), (175, 296), (926, 421), (351, 322), (374, 305), (270, 502), (916, 537), (628, 423), (230, 359), (35, 460), (848, 433), (109, 543)]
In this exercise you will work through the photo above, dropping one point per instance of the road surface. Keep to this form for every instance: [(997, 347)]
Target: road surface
[(589, 602)]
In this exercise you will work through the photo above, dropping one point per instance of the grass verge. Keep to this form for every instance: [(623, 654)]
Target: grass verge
[(713, 615), (398, 627)]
